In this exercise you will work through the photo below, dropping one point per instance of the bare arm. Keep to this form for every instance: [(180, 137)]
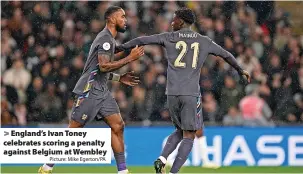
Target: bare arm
[(120, 55), (106, 66)]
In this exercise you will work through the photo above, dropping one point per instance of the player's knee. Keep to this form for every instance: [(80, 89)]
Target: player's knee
[(199, 133), (75, 124), (118, 127), (179, 132), (189, 134)]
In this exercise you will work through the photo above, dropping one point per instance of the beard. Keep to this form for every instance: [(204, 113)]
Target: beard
[(120, 29)]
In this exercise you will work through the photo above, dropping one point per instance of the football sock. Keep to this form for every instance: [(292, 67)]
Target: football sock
[(120, 160), (172, 142), (183, 152)]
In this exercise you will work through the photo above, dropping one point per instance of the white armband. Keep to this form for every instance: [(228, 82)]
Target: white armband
[(114, 77)]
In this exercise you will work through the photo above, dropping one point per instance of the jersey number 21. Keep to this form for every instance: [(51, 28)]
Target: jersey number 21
[(182, 44)]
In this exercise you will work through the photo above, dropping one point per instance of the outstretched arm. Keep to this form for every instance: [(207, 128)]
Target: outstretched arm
[(156, 39), (217, 50), (118, 49)]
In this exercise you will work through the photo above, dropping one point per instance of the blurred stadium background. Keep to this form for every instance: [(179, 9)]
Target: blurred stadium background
[(44, 46)]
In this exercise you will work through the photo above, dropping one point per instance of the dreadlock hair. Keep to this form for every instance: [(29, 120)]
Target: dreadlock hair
[(186, 14), (110, 11)]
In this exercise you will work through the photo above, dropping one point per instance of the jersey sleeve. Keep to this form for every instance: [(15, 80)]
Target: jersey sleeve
[(105, 45), (217, 50), (118, 49), (156, 39)]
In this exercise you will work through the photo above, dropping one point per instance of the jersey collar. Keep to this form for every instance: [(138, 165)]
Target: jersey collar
[(108, 31), (185, 29)]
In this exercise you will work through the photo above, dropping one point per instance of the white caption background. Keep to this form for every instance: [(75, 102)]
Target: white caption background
[(92, 134)]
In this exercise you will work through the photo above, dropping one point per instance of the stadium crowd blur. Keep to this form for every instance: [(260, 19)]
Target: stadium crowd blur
[(44, 46)]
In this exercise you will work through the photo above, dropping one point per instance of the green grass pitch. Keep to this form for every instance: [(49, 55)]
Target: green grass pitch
[(149, 169)]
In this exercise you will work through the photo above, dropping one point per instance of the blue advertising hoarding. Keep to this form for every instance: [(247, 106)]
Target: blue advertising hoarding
[(227, 146)]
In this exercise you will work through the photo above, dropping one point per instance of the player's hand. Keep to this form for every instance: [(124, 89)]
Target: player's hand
[(137, 52), (246, 75), (129, 79)]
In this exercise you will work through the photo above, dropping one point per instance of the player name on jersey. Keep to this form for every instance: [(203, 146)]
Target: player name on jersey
[(188, 35)]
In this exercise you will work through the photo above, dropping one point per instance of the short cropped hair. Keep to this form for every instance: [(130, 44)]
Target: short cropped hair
[(186, 14), (110, 11)]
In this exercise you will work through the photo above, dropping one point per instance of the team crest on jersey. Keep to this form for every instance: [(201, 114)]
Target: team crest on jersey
[(84, 117), (106, 46)]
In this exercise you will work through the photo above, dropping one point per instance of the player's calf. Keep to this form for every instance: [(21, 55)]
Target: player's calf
[(184, 150), (172, 142), (116, 124)]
